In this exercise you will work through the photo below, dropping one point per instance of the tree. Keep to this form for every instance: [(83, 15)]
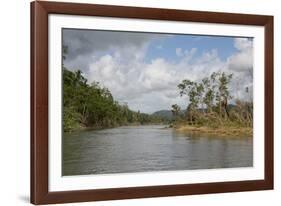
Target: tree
[(223, 93), (176, 110), (93, 105), (209, 93), (64, 52), (200, 93), (190, 89)]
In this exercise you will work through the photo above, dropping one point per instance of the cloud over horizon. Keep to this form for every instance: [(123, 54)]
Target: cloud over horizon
[(139, 74)]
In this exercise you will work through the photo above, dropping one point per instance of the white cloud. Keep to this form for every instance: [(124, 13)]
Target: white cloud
[(151, 86), (243, 43), (241, 65), (242, 61), (179, 52), (190, 53)]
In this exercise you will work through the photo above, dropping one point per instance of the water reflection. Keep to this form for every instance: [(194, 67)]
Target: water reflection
[(150, 148)]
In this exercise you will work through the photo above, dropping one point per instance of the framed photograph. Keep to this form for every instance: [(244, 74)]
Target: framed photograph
[(131, 102)]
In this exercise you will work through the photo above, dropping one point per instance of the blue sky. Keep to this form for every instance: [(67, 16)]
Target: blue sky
[(144, 69), (165, 47)]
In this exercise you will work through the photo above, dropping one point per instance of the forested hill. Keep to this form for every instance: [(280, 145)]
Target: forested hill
[(167, 115), (91, 105)]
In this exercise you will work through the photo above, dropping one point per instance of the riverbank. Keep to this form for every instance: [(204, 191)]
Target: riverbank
[(223, 131), (82, 127)]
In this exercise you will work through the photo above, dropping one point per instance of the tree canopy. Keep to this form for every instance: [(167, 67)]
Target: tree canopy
[(208, 102), (92, 105)]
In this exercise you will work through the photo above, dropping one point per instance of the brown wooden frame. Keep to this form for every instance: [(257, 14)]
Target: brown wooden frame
[(39, 102)]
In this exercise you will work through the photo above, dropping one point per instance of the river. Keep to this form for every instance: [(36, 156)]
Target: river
[(150, 148)]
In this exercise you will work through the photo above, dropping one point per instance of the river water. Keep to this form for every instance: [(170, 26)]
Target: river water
[(150, 148)]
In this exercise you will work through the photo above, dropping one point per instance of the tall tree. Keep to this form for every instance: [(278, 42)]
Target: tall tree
[(223, 94), (209, 96), (190, 89), (176, 110)]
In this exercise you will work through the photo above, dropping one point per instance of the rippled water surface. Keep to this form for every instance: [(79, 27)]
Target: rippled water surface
[(150, 148)]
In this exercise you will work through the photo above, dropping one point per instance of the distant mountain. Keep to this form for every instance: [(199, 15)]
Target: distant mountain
[(168, 115), (165, 114)]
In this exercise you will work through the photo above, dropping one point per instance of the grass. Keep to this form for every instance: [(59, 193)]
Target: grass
[(218, 131)]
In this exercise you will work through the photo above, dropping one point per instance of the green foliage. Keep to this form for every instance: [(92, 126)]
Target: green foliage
[(208, 102), (70, 118), (176, 110), (90, 105)]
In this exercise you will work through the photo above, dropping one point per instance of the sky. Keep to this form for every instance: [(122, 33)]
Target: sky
[(144, 69)]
